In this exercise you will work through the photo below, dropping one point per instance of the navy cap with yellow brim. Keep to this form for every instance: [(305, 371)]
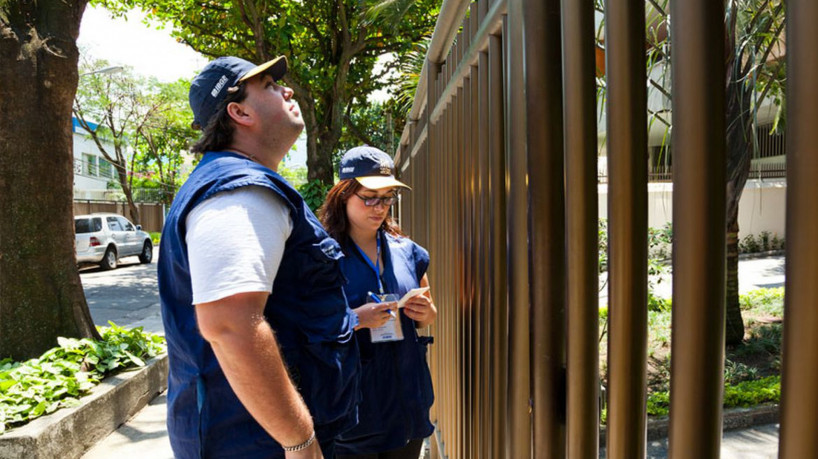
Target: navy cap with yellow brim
[(211, 86), (371, 167)]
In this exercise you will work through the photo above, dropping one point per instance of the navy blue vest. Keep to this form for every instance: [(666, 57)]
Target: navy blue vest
[(307, 310), (395, 380)]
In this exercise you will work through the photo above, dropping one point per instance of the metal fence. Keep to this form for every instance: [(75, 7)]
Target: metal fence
[(500, 149)]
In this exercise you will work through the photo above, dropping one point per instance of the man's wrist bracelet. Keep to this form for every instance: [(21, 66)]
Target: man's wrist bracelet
[(304, 445)]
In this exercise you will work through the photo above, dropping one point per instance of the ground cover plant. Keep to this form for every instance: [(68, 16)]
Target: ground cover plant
[(752, 369), (62, 375)]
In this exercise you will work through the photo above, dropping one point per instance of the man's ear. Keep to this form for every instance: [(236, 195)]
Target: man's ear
[(239, 113)]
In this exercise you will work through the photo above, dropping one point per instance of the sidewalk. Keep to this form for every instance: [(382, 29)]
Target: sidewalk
[(760, 442), (145, 435)]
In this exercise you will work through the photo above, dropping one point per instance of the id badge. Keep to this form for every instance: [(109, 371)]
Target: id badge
[(391, 330)]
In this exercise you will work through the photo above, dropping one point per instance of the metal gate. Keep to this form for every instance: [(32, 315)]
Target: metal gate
[(500, 149)]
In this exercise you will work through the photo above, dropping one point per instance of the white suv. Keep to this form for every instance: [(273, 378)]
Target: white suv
[(105, 238)]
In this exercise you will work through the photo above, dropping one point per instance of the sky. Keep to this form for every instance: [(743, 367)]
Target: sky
[(149, 51)]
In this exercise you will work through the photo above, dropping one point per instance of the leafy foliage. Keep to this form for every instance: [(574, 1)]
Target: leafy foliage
[(63, 374), (766, 300), (743, 394), (764, 242), (314, 193), (140, 126), (332, 46)]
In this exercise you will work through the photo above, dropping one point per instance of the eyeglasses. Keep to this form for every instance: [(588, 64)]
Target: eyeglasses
[(372, 202)]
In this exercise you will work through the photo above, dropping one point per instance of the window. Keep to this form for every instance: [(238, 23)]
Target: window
[(89, 165), (126, 224), (106, 169), (113, 224), (87, 225)]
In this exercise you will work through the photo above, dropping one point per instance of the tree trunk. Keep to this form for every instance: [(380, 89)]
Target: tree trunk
[(127, 190), (734, 332), (739, 153), (319, 157), (41, 295)]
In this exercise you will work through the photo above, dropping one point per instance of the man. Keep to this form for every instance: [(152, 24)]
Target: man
[(261, 351)]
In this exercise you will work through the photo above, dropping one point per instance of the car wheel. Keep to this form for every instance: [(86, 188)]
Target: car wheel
[(109, 260), (147, 253)]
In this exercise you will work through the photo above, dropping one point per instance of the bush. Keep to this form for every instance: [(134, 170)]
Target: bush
[(155, 237), (63, 374), (764, 242), (750, 393), (743, 394), (314, 193), (764, 300)]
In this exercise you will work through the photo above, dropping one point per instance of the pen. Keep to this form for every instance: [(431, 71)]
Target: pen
[(375, 298)]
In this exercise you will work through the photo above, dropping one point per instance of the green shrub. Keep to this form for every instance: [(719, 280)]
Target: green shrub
[(764, 242), (155, 237), (736, 372), (63, 374), (743, 394), (763, 339), (314, 193), (658, 403), (659, 325), (658, 304), (751, 393), (764, 300), (749, 245)]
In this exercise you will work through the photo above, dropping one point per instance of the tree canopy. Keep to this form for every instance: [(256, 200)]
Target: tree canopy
[(140, 126), (332, 47)]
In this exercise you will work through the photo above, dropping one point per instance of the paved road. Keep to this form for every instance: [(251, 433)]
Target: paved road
[(752, 274), (127, 296)]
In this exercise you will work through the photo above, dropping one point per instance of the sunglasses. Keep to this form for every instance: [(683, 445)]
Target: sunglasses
[(372, 202)]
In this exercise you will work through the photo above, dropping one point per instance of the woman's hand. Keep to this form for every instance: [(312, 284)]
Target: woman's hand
[(420, 309), (373, 315)]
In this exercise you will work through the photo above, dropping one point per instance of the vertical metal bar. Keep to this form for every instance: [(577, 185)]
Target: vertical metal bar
[(799, 405), (628, 221), (699, 210), (476, 279), (519, 417), (498, 247), (544, 137), (484, 277), (579, 107), (464, 256)]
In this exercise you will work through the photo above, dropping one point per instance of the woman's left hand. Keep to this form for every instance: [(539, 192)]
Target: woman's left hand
[(420, 309)]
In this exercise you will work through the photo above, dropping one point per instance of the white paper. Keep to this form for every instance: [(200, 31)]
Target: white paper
[(411, 294)]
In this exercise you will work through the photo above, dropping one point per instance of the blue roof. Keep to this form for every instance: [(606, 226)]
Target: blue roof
[(77, 126)]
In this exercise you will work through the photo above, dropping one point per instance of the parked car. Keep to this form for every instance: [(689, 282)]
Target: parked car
[(103, 239)]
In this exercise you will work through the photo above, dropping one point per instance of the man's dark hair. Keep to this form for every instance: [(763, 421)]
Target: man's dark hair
[(218, 134)]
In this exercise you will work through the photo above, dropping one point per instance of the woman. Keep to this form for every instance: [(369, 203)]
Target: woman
[(395, 382)]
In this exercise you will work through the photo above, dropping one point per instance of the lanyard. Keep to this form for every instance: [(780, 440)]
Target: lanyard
[(377, 265)]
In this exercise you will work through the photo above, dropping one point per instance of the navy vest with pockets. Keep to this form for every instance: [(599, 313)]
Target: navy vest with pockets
[(307, 310), (395, 380)]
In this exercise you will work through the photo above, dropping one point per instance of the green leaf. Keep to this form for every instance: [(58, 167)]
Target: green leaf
[(136, 360)]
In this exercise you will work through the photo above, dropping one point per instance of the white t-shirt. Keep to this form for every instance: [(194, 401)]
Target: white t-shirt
[(235, 242)]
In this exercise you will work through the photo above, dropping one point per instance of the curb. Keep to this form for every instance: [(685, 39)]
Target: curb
[(69, 432), (732, 419)]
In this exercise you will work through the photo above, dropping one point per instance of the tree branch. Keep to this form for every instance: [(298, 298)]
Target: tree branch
[(358, 133)]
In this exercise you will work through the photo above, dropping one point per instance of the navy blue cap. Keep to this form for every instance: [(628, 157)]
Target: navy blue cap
[(371, 167), (210, 87)]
